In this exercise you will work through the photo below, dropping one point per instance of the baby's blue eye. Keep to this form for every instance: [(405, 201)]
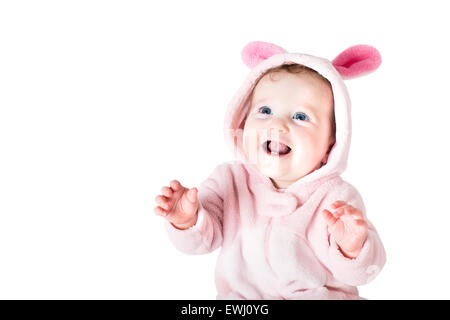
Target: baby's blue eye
[(265, 110), (300, 116)]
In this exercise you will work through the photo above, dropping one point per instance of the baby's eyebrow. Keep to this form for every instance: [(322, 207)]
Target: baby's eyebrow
[(259, 101), (308, 107)]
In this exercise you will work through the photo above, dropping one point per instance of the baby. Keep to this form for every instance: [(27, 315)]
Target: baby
[(288, 226)]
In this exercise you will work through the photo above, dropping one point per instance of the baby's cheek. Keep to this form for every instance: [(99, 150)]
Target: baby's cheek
[(307, 150)]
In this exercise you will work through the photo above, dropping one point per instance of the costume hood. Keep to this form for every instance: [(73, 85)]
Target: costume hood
[(261, 56)]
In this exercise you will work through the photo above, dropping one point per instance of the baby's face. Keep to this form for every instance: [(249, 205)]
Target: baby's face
[(287, 133)]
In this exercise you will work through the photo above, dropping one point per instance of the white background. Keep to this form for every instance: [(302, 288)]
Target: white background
[(104, 102)]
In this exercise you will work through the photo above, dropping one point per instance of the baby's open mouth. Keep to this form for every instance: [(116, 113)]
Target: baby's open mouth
[(276, 148)]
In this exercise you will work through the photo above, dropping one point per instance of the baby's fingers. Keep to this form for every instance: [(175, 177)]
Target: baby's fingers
[(163, 202), (338, 204), (339, 212), (329, 217), (350, 211), (355, 213), (192, 195), (175, 185), (166, 191), (189, 202), (160, 211)]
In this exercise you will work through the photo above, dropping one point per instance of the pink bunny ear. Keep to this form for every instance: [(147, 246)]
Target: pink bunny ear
[(357, 61), (257, 51)]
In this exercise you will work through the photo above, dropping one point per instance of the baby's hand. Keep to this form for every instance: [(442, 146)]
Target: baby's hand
[(348, 227), (178, 204)]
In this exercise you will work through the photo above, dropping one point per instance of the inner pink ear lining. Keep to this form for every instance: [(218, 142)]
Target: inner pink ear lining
[(368, 59), (356, 61), (257, 51), (350, 62)]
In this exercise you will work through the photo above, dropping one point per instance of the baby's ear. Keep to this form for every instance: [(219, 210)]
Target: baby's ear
[(257, 51), (357, 61)]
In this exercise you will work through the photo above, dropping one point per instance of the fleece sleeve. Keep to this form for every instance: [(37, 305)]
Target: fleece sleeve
[(371, 259), (206, 235)]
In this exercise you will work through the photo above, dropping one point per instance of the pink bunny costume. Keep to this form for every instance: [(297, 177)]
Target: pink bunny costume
[(275, 244)]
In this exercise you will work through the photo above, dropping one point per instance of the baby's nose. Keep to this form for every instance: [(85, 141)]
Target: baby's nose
[(278, 126)]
